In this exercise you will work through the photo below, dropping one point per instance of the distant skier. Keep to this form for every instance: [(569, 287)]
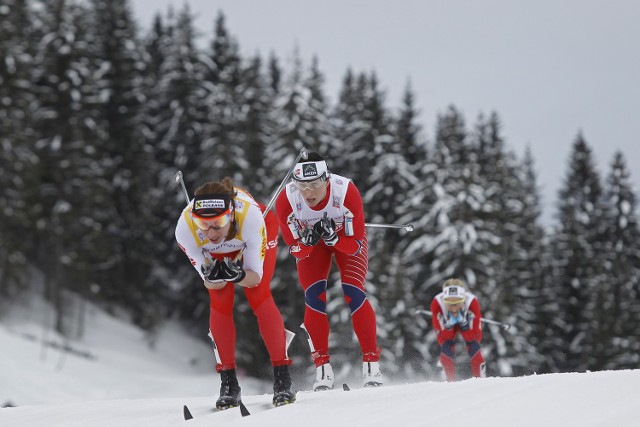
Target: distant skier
[(225, 237), (321, 218), (455, 310)]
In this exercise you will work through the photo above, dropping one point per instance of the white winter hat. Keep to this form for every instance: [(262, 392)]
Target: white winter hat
[(453, 282), (310, 171), (453, 294)]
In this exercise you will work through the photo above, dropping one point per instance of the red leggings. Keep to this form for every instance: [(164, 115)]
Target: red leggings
[(313, 272), (261, 302), (447, 352)]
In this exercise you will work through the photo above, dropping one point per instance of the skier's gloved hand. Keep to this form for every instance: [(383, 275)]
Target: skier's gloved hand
[(310, 237), (231, 271), (211, 270), (453, 320), (448, 322), (326, 229), (469, 316), (463, 320)]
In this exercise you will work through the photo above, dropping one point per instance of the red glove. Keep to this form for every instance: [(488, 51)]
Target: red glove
[(300, 251)]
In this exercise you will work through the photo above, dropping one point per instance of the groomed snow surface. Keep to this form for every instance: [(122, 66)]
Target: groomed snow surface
[(113, 378)]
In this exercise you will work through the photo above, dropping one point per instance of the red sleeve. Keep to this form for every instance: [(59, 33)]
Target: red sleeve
[(435, 311), (474, 307), (442, 334), (353, 201), (283, 210)]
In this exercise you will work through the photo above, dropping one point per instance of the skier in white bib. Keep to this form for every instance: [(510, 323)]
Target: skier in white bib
[(456, 310), (322, 218)]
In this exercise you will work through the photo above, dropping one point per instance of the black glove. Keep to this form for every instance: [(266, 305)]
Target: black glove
[(231, 271), (464, 323), (326, 229), (211, 270), (310, 237)]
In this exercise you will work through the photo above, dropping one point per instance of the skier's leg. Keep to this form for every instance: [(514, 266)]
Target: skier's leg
[(312, 273), (476, 359), (447, 359), (472, 339), (261, 301), (221, 325), (353, 270)]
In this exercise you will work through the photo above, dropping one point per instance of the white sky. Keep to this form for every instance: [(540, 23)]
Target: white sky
[(549, 68)]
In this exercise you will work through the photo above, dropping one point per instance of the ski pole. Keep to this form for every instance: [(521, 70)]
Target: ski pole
[(311, 347), (181, 182), (504, 326), (405, 227), (301, 155)]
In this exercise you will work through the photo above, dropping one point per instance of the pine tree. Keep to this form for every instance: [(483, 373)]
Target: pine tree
[(520, 293), (176, 120), (372, 133), (299, 114), (392, 176), (408, 129), (395, 180), (275, 73), (17, 162), (130, 281), (342, 118), (223, 148), (460, 200), (257, 98), (619, 310), (577, 268), (501, 220), (155, 50), (71, 198), (460, 238), (225, 55), (321, 134)]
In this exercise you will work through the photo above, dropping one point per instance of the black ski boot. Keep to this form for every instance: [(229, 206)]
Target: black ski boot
[(229, 390), (283, 392)]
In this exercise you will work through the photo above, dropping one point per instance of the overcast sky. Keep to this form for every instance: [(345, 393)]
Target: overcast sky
[(549, 68)]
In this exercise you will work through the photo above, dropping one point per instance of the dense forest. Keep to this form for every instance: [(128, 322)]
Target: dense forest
[(96, 118)]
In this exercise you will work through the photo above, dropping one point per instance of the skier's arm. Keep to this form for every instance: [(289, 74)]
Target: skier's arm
[(436, 313), (284, 212), (442, 334), (353, 202), (254, 234), (477, 318), (184, 237)]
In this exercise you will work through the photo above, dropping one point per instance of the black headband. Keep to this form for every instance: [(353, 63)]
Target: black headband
[(206, 205)]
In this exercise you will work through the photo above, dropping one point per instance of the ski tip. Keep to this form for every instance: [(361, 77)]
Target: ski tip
[(345, 387), (243, 410), (187, 413)]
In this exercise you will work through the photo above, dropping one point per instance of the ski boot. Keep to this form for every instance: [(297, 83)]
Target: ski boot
[(371, 374), (229, 390), (283, 392), (324, 378)]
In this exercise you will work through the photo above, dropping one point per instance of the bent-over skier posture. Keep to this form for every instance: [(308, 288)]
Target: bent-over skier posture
[(321, 217), (457, 310), (228, 242)]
